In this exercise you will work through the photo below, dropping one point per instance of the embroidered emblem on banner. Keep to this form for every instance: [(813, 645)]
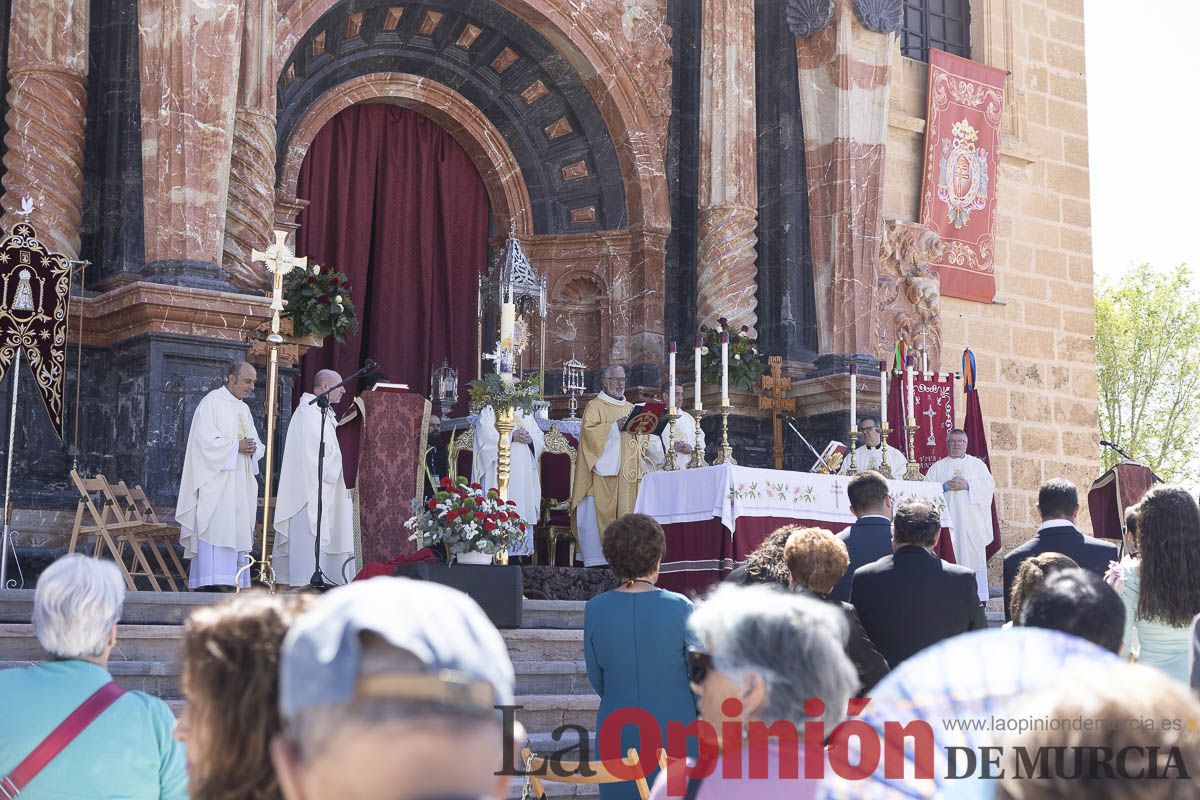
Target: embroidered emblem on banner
[(963, 176)]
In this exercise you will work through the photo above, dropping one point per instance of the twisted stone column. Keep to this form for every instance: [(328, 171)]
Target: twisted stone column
[(727, 280), (252, 167), (47, 69)]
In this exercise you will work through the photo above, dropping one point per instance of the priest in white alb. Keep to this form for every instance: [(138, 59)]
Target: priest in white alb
[(296, 506), (218, 494), (968, 487), (873, 450), (524, 479), (691, 437)]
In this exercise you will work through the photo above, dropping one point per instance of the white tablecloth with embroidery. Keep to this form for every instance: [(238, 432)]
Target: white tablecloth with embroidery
[(729, 492)]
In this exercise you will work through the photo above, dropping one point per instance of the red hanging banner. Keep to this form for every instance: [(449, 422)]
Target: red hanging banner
[(933, 396), (958, 188)]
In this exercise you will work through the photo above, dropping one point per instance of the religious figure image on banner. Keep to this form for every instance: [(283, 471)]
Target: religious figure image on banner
[(34, 298), (958, 187)]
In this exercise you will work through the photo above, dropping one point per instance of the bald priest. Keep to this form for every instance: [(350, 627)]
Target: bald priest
[(218, 493)]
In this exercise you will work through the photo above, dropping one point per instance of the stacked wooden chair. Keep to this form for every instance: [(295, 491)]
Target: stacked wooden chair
[(123, 524), (569, 772)]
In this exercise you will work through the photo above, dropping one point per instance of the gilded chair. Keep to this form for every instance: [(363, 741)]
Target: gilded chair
[(556, 468)]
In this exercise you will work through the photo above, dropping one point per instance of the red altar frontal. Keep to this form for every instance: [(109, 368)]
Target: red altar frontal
[(714, 517)]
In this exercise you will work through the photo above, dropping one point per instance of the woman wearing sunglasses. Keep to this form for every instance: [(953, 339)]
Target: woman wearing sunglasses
[(764, 653)]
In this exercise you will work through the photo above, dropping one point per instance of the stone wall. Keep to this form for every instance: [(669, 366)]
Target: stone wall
[(1034, 346)]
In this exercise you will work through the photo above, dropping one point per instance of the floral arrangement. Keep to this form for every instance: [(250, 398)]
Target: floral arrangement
[(745, 368), (462, 518), (490, 390), (319, 303)]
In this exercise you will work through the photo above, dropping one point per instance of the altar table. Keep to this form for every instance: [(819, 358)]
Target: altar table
[(715, 516)]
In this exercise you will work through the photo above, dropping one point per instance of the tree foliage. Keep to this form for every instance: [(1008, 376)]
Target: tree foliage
[(1148, 368)]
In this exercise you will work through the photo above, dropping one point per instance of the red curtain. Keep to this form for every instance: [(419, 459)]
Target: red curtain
[(397, 205)]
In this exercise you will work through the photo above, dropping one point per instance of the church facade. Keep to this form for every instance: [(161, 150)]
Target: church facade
[(664, 162)]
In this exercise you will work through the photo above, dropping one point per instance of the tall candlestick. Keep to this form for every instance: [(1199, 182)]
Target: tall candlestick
[(912, 410), (883, 390), (853, 395), (671, 371), (724, 369), (699, 347)]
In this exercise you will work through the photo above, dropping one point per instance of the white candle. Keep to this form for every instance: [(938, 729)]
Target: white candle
[(699, 346), (912, 411), (724, 369), (883, 390), (671, 370), (853, 395), (924, 362), (508, 322)]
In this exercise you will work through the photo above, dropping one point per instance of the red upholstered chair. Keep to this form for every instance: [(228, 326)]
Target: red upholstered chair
[(557, 471), (460, 453)]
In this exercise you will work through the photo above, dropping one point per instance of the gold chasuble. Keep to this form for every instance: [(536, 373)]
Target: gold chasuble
[(607, 472)]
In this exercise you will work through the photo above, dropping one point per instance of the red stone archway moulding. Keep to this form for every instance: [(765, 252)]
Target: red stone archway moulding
[(593, 40), (458, 116)]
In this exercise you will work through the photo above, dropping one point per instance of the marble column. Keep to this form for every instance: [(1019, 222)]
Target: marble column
[(252, 168), (727, 274), (844, 64), (43, 160), (190, 52)]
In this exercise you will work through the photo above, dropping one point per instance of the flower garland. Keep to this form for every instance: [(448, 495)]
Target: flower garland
[(462, 518), (745, 368), (319, 303)]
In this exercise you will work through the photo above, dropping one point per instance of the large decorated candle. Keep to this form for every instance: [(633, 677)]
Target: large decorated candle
[(853, 395), (671, 378), (724, 368), (883, 390), (699, 352)]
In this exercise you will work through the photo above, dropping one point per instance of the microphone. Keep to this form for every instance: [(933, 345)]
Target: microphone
[(1104, 443), (370, 366)]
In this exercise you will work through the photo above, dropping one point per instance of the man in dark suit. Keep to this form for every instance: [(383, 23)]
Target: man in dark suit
[(1058, 504), (870, 537), (912, 599)]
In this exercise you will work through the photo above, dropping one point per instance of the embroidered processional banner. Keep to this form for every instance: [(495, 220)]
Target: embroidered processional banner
[(35, 287), (933, 398), (958, 188)]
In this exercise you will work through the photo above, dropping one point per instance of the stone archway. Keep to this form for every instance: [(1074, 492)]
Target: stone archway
[(479, 138)]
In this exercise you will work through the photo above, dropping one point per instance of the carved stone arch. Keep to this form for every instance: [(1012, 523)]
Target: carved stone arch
[(579, 316), (479, 138), (512, 75)]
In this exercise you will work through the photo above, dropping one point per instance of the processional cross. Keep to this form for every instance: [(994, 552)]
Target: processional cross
[(280, 261), (772, 399), (929, 412)]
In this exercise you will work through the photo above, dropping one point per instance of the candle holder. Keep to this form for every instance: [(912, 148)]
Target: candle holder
[(697, 452), (853, 468), (885, 469), (913, 473), (443, 387), (725, 453), (671, 460)]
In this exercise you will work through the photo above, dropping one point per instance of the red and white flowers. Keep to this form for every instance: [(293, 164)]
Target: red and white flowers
[(462, 518)]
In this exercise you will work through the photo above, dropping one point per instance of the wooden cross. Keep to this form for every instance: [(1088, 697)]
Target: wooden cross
[(280, 261), (772, 399)]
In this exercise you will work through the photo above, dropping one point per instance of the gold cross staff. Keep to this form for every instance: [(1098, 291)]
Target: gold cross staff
[(280, 261)]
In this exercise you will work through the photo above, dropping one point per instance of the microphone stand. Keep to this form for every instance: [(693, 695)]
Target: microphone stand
[(811, 449), (317, 581), (1128, 457)]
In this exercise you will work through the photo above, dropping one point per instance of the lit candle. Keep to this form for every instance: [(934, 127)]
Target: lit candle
[(853, 395), (699, 347), (883, 389), (724, 368), (671, 371), (508, 322), (912, 411)]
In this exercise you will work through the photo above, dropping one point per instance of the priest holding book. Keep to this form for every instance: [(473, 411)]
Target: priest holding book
[(607, 473)]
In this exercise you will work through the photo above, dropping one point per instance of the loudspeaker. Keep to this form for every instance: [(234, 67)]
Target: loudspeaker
[(499, 591)]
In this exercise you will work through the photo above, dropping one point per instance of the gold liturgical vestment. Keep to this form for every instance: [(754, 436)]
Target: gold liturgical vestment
[(613, 486)]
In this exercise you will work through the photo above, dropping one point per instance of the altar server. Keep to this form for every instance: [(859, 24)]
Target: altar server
[(968, 486), (524, 479), (296, 508), (691, 437), (218, 494)]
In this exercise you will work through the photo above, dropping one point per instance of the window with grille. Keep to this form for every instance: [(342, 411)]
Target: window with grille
[(944, 24)]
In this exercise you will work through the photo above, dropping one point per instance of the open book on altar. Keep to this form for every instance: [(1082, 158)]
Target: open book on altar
[(831, 458), (646, 419), (389, 387)]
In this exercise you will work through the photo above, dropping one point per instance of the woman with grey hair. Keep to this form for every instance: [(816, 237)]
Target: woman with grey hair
[(102, 741), (771, 660)]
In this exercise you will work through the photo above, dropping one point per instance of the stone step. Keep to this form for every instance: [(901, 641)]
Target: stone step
[(542, 713), (141, 608), (560, 614), (134, 643), (544, 644), (551, 677)]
